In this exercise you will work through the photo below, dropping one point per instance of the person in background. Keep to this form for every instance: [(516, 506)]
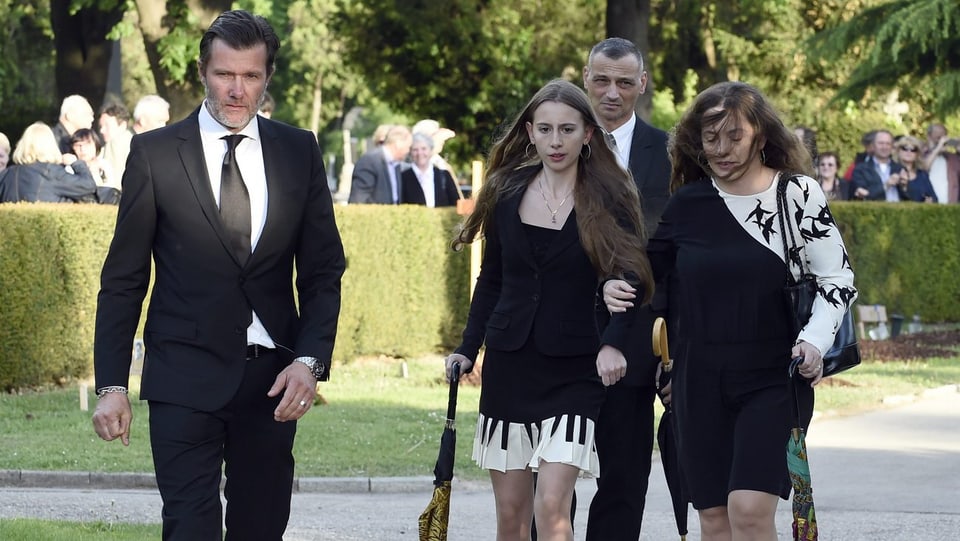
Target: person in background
[(75, 113), (4, 151), (730, 152), (833, 186), (150, 113), (557, 211), (914, 183), (114, 128), (40, 173), (86, 147), (942, 164), (227, 207), (425, 183), (809, 139), (380, 134), (432, 129), (376, 175), (867, 142), (877, 178), (268, 105)]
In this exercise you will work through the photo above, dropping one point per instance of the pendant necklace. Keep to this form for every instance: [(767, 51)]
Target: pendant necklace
[(553, 213)]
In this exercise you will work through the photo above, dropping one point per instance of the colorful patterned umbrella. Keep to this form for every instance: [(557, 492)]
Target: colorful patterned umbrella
[(435, 518), (804, 515), (666, 435)]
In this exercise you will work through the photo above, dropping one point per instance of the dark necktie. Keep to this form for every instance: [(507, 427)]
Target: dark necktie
[(235, 201)]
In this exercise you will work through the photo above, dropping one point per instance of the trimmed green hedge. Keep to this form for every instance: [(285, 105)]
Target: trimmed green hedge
[(405, 293)]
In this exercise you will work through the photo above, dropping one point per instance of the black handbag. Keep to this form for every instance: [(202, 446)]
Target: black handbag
[(800, 294)]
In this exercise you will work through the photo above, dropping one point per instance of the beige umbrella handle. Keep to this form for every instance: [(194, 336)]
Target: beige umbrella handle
[(660, 346)]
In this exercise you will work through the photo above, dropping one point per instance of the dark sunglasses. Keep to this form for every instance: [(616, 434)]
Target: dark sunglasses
[(910, 149)]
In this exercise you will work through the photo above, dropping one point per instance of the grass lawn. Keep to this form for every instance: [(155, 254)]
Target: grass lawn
[(375, 422), (46, 530)]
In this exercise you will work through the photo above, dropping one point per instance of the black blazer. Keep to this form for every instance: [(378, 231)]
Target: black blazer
[(444, 189), (650, 167), (513, 292), (202, 297), (865, 175), (370, 182)]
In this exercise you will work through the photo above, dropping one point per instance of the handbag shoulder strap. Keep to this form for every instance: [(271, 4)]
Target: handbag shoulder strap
[(791, 248)]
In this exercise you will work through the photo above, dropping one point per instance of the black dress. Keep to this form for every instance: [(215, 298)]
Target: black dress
[(538, 407), (734, 338)]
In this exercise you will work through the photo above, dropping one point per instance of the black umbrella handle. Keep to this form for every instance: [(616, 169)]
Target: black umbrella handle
[(454, 386)]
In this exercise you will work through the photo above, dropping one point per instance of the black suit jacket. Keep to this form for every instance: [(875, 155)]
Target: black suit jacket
[(650, 167), (202, 297), (865, 175), (444, 189), (513, 292)]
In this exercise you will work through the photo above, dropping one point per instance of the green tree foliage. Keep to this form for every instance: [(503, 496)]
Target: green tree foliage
[(26, 66), (471, 64), (909, 45)]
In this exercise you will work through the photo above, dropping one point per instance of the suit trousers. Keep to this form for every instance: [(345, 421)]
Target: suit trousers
[(624, 446), (256, 453)]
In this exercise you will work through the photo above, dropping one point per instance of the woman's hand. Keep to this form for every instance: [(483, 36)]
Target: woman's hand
[(465, 365), (665, 392), (617, 295), (812, 366), (611, 365)]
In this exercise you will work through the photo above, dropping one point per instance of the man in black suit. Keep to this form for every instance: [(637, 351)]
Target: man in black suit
[(878, 177), (614, 78), (376, 175), (224, 203)]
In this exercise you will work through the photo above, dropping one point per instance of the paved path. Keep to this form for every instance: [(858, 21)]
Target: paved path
[(891, 474)]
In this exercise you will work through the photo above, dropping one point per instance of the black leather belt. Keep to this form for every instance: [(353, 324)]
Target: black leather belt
[(255, 351)]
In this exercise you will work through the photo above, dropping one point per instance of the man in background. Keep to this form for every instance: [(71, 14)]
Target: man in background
[(114, 128), (75, 113), (376, 175), (150, 113)]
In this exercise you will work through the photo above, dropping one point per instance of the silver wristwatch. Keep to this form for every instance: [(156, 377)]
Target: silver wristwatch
[(316, 367)]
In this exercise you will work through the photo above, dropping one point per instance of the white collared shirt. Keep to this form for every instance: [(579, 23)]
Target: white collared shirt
[(392, 166), (250, 161), (425, 178), (624, 137)]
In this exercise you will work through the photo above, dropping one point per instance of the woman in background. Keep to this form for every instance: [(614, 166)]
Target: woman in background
[(40, 173), (828, 170), (915, 182), (424, 183)]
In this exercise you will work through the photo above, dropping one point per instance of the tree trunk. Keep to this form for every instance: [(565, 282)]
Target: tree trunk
[(184, 95), (630, 19), (82, 50)]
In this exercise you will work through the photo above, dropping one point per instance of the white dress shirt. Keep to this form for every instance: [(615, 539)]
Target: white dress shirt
[(425, 178), (623, 135)]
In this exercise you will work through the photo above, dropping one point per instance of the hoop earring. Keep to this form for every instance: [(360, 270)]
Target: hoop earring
[(526, 152), (763, 156), (589, 152)]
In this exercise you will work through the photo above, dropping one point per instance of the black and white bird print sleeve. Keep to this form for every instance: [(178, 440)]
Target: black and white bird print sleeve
[(823, 251)]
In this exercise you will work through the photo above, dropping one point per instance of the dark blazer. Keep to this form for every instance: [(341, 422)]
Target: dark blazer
[(48, 183), (202, 297), (650, 167), (513, 291), (444, 189), (371, 180), (865, 175)]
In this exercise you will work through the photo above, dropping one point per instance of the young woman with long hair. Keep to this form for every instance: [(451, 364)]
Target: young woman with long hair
[(558, 214)]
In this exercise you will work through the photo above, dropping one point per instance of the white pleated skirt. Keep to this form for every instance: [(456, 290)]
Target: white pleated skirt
[(567, 439)]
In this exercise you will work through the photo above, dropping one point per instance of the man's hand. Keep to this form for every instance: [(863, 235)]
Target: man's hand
[(299, 389), (611, 365), (112, 417), (665, 391), (617, 295)]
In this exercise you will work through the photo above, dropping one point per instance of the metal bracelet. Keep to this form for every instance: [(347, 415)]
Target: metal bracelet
[(103, 391)]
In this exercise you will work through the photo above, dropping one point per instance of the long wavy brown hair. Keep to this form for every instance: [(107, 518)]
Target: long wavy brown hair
[(607, 205), (782, 150)]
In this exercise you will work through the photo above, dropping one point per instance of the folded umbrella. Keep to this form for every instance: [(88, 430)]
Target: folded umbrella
[(804, 515), (666, 435), (435, 518)]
